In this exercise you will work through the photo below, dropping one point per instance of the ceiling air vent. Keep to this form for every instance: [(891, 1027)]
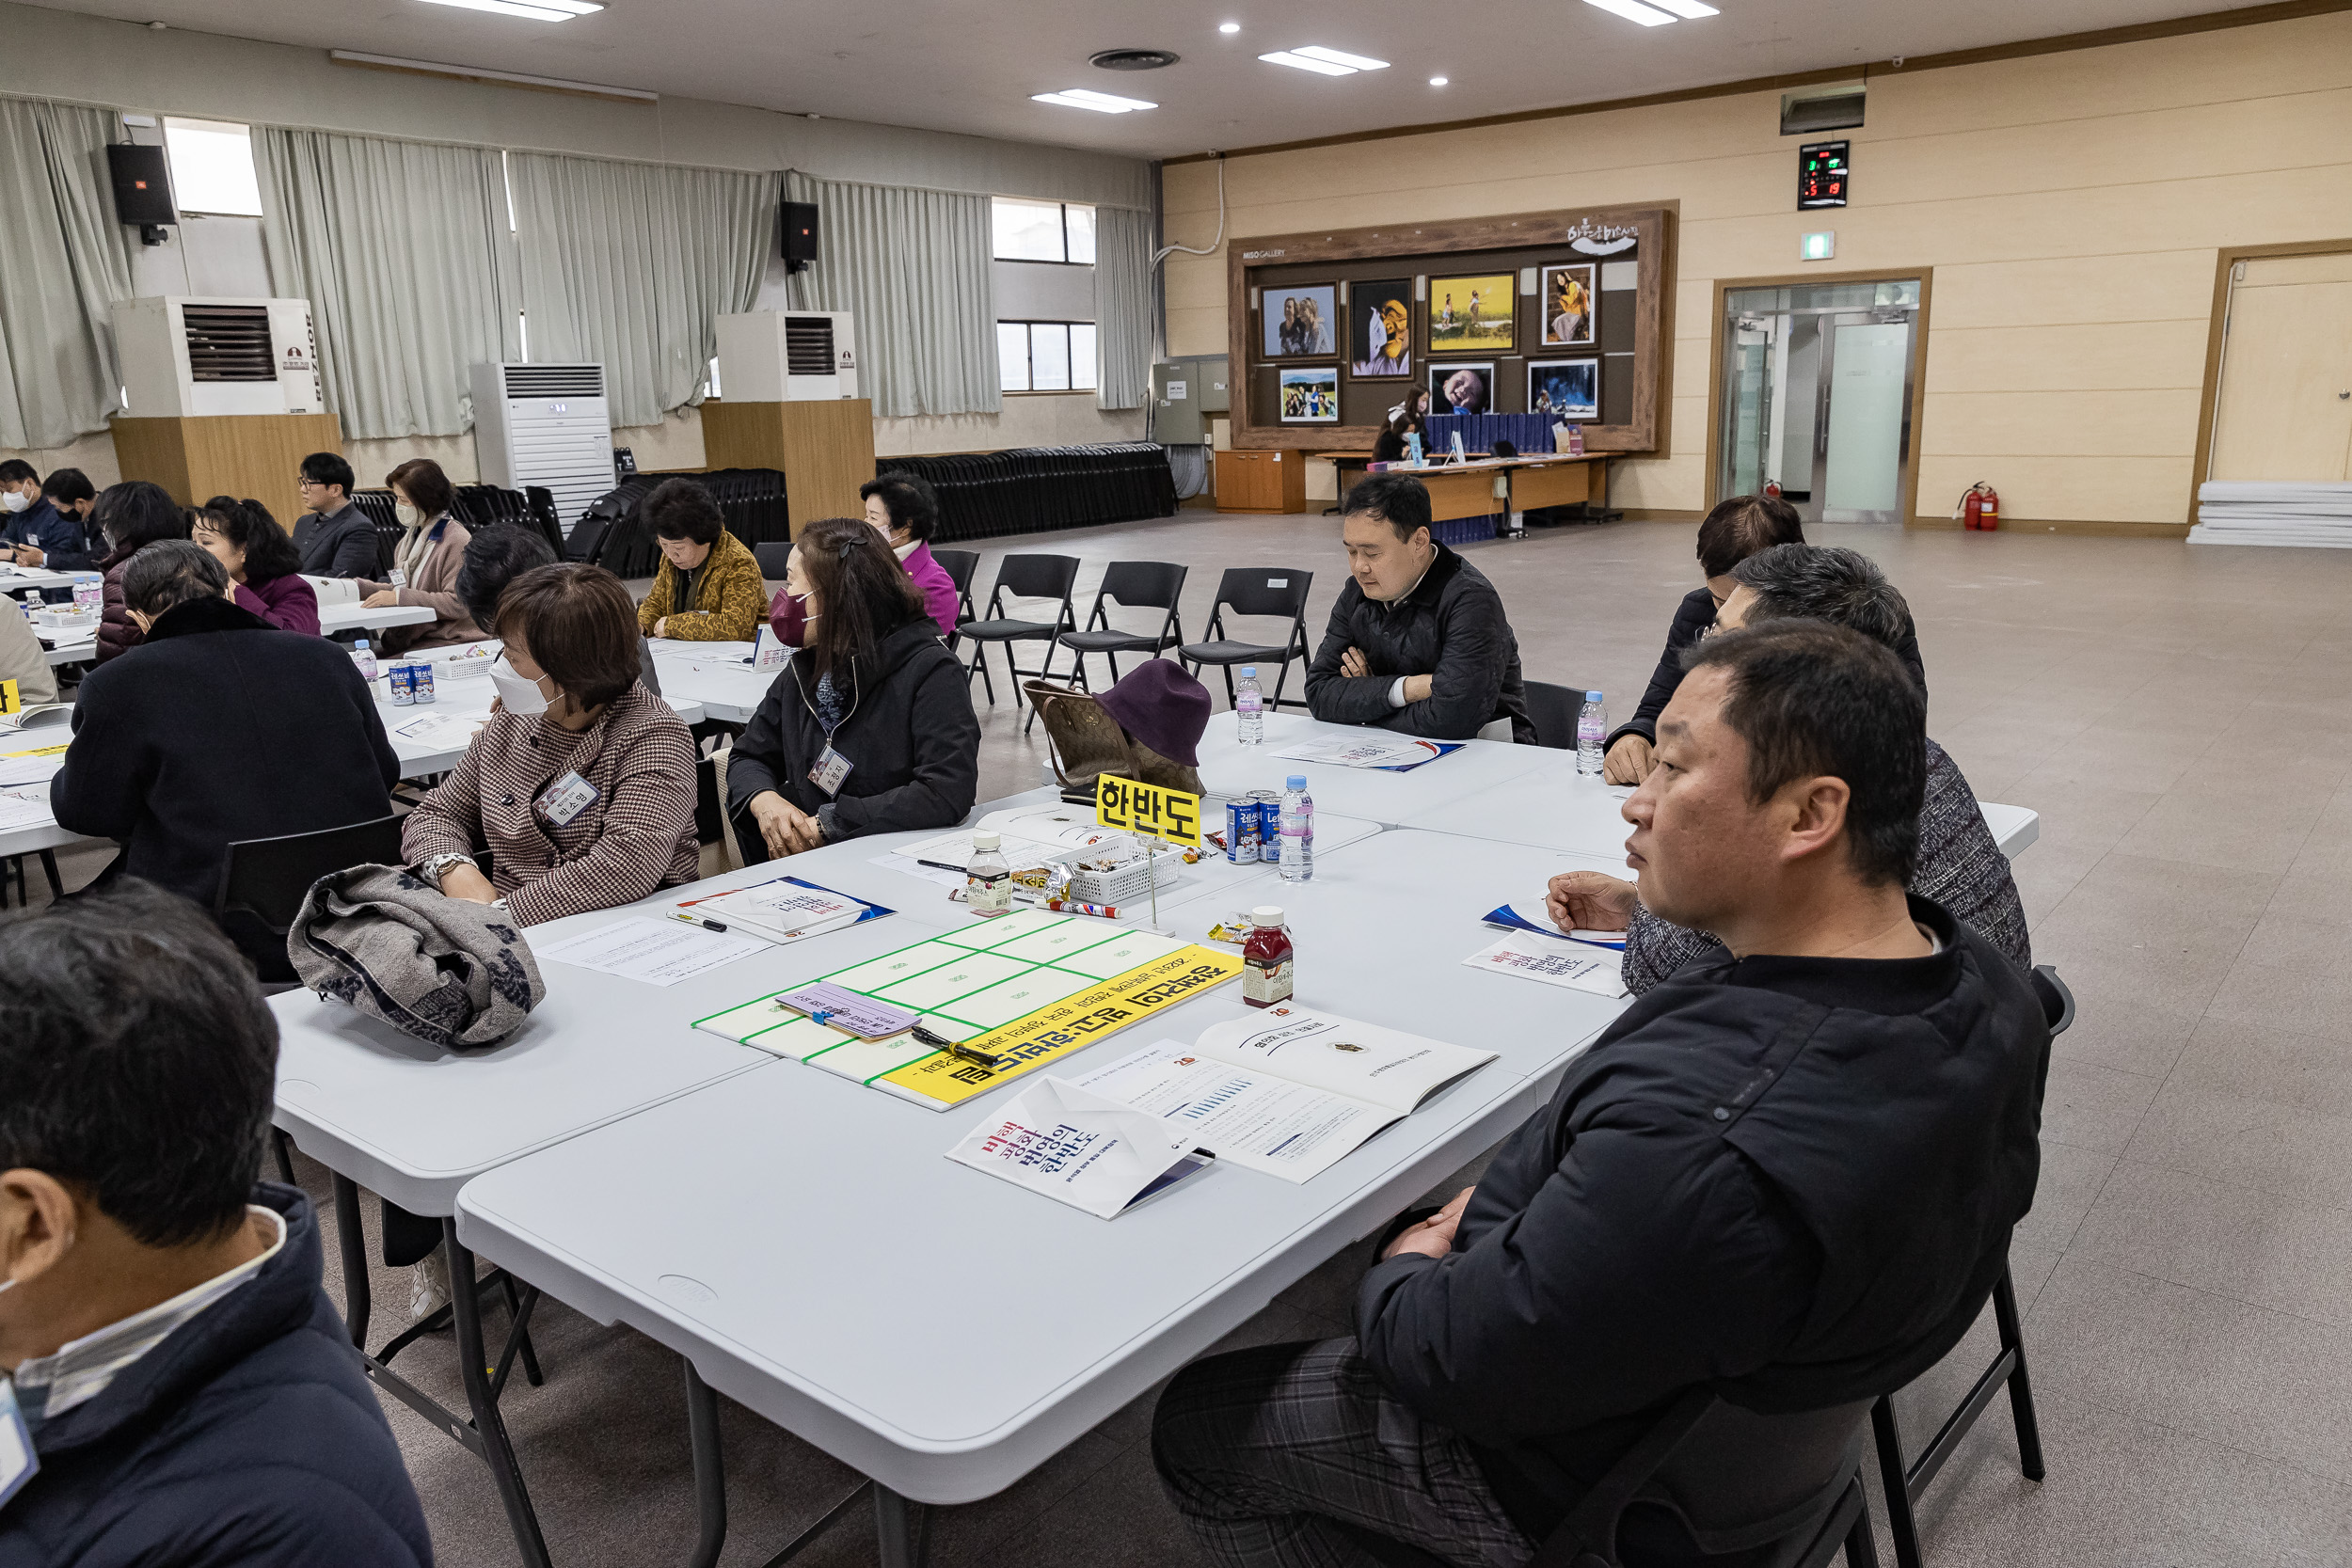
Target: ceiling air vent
[(1133, 60), (1820, 109), (229, 343)]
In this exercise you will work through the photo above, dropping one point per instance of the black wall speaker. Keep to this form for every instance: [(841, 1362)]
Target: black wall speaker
[(800, 233), (142, 185)]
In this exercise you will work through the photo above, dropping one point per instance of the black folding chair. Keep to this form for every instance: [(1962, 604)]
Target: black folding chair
[(264, 881), (1024, 577), (773, 560), (1735, 1480), (1553, 710), (1130, 585), (1906, 1482), (1271, 590)]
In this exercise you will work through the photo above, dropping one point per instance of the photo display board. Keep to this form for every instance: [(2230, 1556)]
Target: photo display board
[(1557, 312)]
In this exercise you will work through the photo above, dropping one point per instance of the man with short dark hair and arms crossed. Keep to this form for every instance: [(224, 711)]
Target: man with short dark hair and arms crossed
[(192, 1397), (1788, 1176), (1418, 642)]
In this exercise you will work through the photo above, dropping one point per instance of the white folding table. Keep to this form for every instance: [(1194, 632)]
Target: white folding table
[(353, 617), (432, 737), (945, 1333), (413, 1123), (713, 674), (23, 580), (1426, 797)]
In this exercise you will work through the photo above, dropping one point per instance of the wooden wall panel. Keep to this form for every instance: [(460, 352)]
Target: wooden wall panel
[(2090, 190)]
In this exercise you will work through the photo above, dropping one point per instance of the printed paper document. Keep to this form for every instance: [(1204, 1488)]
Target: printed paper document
[(1071, 1144), (659, 952)]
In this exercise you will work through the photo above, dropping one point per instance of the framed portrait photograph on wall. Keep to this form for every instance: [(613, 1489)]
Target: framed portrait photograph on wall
[(1472, 315), (1301, 320), (1380, 327), (1311, 395), (1571, 308), (1462, 389), (1568, 389)]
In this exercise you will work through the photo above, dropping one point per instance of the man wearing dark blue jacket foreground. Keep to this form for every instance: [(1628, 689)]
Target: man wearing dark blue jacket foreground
[(189, 1394), (1789, 1176)]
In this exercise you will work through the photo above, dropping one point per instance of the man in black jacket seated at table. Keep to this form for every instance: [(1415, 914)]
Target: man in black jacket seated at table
[(219, 727), (1418, 642), (1790, 1176), (192, 1396), (334, 537)]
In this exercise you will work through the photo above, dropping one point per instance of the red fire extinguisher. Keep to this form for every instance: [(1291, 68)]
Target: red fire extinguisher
[(1980, 508), (1772, 488)]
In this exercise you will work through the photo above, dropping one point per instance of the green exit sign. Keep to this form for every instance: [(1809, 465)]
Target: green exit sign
[(1818, 247)]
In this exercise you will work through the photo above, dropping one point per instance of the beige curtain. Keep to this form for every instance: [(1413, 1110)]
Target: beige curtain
[(63, 263)]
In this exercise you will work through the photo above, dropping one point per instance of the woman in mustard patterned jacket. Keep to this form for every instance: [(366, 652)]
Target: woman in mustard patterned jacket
[(709, 589)]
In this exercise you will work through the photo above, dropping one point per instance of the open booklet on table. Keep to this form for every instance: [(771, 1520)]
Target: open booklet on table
[(1387, 754), (1032, 836), (783, 909), (1289, 1092)]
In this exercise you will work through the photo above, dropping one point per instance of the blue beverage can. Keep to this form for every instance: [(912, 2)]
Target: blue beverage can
[(1269, 805), (421, 675), (1240, 832), (403, 686)]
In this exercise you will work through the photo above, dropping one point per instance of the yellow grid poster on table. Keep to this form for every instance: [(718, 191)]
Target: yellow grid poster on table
[(1074, 1022)]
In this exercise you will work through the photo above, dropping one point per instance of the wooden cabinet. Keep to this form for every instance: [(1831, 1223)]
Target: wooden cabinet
[(1260, 482), (198, 457), (824, 445)]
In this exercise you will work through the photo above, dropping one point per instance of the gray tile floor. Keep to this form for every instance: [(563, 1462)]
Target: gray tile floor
[(2178, 717)]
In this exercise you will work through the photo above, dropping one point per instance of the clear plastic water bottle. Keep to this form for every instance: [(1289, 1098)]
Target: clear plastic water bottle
[(988, 878), (1248, 709), (1592, 728), (363, 657), (1298, 830)]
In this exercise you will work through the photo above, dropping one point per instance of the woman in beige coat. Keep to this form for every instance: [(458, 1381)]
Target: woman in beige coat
[(424, 564)]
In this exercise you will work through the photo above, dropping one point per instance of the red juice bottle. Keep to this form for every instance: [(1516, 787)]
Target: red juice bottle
[(1266, 977)]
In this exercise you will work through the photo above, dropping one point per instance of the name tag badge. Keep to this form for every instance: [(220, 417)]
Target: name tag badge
[(399, 578), (565, 798), (18, 1462), (830, 770)]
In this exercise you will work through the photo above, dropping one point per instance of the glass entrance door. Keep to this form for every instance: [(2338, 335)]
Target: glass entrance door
[(1817, 396)]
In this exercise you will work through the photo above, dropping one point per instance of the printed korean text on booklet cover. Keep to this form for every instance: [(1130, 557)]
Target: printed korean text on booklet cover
[(1290, 1092), (1071, 1144)]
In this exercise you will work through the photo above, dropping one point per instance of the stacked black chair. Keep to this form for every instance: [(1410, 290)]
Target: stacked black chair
[(1131, 585), (1024, 577), (1256, 590), (1784, 1490), (751, 502), (613, 532), (1036, 489), (377, 506), (773, 560), (1905, 1482)]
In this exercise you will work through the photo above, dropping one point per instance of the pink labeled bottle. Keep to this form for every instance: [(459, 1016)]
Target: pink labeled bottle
[(1266, 977)]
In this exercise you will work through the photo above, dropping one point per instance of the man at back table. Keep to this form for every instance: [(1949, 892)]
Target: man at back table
[(334, 537), (1788, 1176), (1418, 642)]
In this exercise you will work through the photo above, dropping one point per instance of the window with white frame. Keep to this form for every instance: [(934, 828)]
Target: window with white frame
[(212, 168), (1045, 356), (1030, 230)]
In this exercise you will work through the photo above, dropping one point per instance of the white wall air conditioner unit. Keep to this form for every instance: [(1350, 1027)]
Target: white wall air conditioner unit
[(184, 356), (547, 425), (786, 356)]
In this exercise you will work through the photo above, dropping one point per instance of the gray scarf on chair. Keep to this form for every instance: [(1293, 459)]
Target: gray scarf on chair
[(386, 942)]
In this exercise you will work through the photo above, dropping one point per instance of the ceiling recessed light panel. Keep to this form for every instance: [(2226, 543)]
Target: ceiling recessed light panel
[(1437, 81), (1690, 10), (1322, 62), (530, 10), (1229, 27), (1633, 10), (1085, 98)]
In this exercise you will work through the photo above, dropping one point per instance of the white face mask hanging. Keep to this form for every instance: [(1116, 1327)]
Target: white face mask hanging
[(516, 694)]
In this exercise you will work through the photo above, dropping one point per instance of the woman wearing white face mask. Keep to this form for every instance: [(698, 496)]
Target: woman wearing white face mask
[(425, 562), (582, 785)]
